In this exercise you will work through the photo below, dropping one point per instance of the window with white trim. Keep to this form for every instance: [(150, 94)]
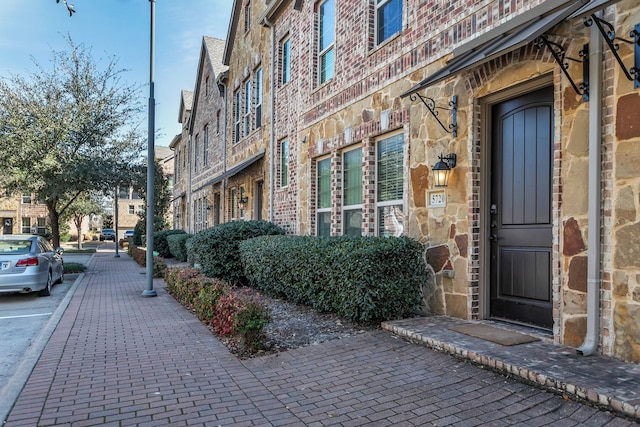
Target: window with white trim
[(132, 210), (352, 192), (390, 186), (247, 107), (26, 199), (323, 197), (247, 16), (26, 225), (196, 153), (388, 19), (205, 146), (326, 39), (41, 225), (258, 91), (284, 163), (236, 116), (285, 57)]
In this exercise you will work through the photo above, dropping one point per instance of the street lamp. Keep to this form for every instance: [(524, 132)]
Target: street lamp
[(149, 291)]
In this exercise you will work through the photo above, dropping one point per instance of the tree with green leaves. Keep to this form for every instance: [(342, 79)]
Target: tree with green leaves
[(162, 197), (70, 129), (84, 205)]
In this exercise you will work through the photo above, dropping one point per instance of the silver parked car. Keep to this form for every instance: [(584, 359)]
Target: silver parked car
[(28, 264)]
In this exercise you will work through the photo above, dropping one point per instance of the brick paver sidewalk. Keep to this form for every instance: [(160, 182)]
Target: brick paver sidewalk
[(117, 358)]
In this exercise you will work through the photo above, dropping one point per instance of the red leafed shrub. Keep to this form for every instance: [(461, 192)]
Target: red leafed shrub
[(234, 314)]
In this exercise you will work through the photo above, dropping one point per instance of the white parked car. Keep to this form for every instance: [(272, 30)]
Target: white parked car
[(28, 264)]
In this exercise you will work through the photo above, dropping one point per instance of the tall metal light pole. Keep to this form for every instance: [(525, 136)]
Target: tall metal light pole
[(149, 291)]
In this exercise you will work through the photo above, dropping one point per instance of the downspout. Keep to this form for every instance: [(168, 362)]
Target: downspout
[(223, 196), (590, 345), (189, 189), (272, 102)]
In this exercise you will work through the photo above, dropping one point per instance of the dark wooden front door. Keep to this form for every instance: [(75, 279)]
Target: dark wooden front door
[(520, 209)]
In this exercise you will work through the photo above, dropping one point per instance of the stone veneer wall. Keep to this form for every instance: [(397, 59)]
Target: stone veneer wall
[(622, 196)]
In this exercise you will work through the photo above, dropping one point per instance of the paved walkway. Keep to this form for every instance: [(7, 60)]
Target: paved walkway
[(116, 358)]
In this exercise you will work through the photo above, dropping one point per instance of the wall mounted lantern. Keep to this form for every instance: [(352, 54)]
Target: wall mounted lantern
[(442, 169), (242, 202)]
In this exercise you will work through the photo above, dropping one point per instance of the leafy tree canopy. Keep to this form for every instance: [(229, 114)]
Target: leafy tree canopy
[(73, 128)]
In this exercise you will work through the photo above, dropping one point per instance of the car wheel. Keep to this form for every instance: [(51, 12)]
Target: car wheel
[(47, 290)]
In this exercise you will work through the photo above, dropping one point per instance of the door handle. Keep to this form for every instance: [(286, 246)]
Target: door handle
[(494, 209), (493, 237)]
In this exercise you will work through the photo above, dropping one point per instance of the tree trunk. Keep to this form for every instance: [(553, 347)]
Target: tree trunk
[(54, 218), (78, 222)]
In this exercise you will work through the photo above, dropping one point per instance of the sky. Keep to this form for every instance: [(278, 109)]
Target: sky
[(32, 29)]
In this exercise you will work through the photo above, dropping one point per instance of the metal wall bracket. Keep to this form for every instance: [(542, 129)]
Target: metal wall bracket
[(609, 35), (430, 103), (560, 55)]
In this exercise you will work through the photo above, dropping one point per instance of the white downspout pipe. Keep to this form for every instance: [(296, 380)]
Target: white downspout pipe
[(189, 188), (594, 278), (272, 103)]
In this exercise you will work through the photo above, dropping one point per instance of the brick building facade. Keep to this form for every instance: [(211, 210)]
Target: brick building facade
[(358, 100)]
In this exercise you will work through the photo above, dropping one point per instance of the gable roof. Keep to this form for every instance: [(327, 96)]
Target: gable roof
[(186, 100), (231, 32), (211, 52)]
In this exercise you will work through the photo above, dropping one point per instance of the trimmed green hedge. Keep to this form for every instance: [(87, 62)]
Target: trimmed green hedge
[(177, 246), (216, 248), (160, 244), (365, 279)]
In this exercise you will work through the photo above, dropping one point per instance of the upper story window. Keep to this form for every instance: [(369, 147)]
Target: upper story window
[(258, 90), (196, 153), (218, 122), (247, 107), (247, 16), (388, 19), (352, 192), (236, 116), (176, 164), (390, 186), (326, 39), (132, 210), (26, 199), (206, 86), (323, 202), (285, 52), (205, 150), (284, 163)]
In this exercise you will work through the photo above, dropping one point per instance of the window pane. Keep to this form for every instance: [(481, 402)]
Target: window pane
[(286, 54), (284, 164), (389, 19), (324, 184), (326, 65), (324, 224), (353, 222), (390, 221), (352, 177), (327, 24), (389, 168)]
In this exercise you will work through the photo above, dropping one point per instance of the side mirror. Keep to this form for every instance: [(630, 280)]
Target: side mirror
[(60, 251)]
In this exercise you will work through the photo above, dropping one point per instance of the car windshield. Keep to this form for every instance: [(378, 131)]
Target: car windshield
[(15, 246)]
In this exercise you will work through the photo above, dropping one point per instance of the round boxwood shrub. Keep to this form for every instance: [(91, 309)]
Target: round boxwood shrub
[(160, 244), (216, 249)]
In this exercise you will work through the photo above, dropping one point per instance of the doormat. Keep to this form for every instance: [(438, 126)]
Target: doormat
[(493, 334)]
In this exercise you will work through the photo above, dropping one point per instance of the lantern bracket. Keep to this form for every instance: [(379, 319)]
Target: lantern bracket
[(609, 35), (430, 103), (560, 55)]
